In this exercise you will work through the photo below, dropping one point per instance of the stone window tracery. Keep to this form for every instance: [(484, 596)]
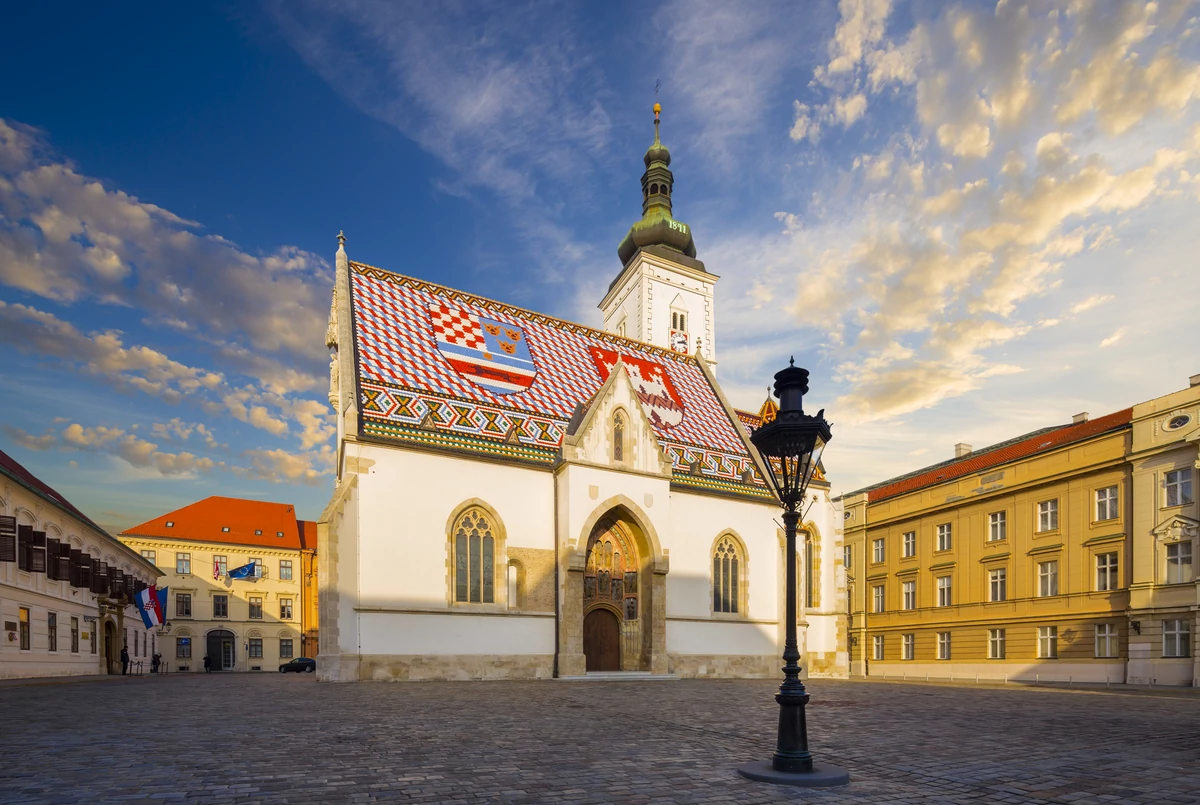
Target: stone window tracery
[(727, 586), (619, 437), (474, 558)]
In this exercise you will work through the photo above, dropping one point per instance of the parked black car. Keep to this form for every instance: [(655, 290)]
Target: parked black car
[(300, 664)]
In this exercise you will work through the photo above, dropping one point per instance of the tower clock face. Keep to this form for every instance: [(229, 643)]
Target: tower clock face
[(678, 341)]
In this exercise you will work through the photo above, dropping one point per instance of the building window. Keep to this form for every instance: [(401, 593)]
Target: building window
[(1047, 579), (878, 640), (92, 638), (224, 529), (1048, 642), (1106, 571), (877, 595), (877, 554), (998, 584), (995, 644), (943, 649), (220, 606), (170, 523), (285, 648), (279, 533), (474, 559), (910, 595), (1176, 634), (74, 635), (907, 646), (997, 526), (618, 437), (1178, 486), (285, 569), (1179, 562), (149, 556), (726, 578), (1106, 640), (945, 591), (256, 607), (848, 556), (1106, 503), (220, 566), (258, 532), (945, 537), (285, 609), (183, 605), (256, 648), (52, 631), (258, 567), (809, 579), (183, 648), (621, 329), (1048, 515), (910, 544), (183, 563)]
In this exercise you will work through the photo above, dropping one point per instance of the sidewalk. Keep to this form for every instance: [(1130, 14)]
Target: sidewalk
[(1057, 685), (66, 680)]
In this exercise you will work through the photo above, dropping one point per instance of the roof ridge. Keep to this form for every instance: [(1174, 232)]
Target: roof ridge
[(652, 348)]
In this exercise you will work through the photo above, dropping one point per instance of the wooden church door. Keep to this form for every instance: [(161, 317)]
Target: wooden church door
[(602, 640)]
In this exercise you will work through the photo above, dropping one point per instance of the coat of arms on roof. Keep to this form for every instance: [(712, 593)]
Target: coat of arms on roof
[(492, 353), (659, 399)]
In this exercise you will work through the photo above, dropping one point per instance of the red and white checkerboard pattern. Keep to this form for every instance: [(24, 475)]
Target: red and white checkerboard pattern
[(454, 326), (397, 321)]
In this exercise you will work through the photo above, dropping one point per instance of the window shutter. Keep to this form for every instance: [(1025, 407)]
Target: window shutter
[(24, 533), (52, 546), (85, 570), (37, 552), (74, 567), (8, 539)]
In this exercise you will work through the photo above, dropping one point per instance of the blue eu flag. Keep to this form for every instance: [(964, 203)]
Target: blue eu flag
[(243, 572)]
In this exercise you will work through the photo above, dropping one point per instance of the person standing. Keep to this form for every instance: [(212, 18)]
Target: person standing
[(154, 663), (207, 664), (124, 660)]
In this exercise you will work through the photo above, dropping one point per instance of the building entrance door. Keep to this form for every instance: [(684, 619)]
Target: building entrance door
[(110, 633), (221, 650), (602, 640)]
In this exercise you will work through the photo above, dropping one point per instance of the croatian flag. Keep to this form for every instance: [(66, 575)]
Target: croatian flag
[(152, 603)]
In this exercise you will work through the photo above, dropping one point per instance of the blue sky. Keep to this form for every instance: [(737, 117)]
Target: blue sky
[(968, 220)]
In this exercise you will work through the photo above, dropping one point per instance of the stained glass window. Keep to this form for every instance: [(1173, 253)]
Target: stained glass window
[(474, 559), (726, 566)]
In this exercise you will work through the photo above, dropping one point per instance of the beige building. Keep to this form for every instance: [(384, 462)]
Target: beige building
[(1011, 562), (241, 624), (1165, 595), (65, 586)]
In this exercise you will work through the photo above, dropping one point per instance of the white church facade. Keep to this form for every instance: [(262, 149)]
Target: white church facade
[(519, 496)]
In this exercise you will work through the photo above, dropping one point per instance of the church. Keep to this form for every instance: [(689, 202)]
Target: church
[(523, 497)]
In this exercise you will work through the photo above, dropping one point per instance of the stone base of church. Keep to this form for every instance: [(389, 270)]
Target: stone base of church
[(445, 667), (724, 666)]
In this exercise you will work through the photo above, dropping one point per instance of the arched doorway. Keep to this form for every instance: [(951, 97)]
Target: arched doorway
[(617, 566), (222, 649), (612, 622), (110, 640)]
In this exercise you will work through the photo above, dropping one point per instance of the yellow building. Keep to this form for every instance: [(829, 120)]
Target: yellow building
[(242, 624), (1164, 594), (1007, 562)]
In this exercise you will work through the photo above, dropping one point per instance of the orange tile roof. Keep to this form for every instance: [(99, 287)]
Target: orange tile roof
[(1039, 441), (205, 520), (308, 534)]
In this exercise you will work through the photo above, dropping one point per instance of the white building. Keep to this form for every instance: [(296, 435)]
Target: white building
[(521, 496), (65, 585)]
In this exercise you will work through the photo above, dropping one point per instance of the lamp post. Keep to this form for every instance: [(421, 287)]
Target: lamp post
[(791, 447)]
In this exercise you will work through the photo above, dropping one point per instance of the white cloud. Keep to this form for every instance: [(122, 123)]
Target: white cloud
[(1114, 338), (1095, 300)]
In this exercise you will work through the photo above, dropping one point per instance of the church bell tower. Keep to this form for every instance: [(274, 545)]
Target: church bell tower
[(663, 294)]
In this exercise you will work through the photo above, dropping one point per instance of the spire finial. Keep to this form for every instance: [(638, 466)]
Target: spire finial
[(792, 361), (657, 109), (341, 239)]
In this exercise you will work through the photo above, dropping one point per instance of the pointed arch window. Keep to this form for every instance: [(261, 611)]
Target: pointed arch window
[(619, 437), (474, 558), (728, 565)]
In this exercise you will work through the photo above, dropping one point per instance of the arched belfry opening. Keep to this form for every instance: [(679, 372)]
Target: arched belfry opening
[(614, 604)]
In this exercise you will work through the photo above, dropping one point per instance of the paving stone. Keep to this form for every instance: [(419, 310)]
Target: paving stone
[(271, 739)]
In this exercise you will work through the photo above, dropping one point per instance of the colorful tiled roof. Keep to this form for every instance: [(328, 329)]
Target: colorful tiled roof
[(250, 522), (442, 368), (1003, 453), (14, 469)]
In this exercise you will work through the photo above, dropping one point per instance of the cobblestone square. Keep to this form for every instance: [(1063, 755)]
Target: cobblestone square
[(275, 738)]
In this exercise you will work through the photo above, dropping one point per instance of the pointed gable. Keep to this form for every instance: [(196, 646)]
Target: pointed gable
[(443, 369), (591, 438)]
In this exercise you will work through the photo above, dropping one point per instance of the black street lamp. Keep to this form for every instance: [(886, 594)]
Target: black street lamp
[(791, 448)]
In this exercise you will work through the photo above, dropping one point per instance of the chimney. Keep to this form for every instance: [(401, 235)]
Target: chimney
[(1194, 381), (1079, 418), (961, 449)]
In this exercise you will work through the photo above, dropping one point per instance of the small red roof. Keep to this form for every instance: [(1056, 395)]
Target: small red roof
[(988, 458), (234, 521), (308, 534), (13, 469)]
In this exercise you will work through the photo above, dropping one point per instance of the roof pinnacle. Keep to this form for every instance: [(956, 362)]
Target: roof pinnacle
[(341, 239)]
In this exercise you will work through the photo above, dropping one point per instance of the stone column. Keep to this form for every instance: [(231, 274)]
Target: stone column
[(571, 660)]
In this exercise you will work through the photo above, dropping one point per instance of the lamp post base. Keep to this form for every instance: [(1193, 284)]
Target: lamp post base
[(821, 776)]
